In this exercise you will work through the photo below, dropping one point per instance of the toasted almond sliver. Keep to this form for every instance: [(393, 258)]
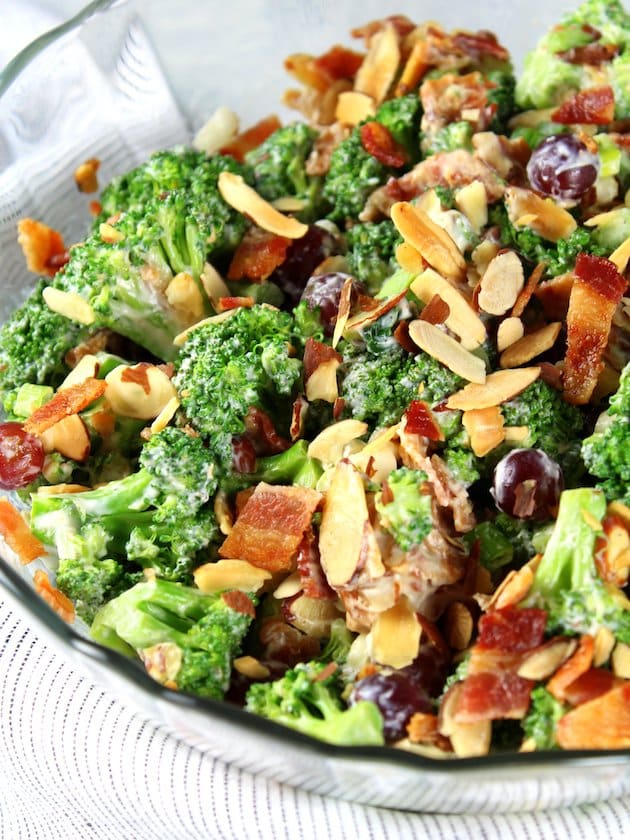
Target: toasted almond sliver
[(343, 311), (69, 437), (513, 588), (621, 255), (485, 429), (530, 346), (551, 221), (322, 383), (467, 739), (408, 258), (223, 513), (459, 625), (222, 575), (289, 204), (213, 319), (462, 319), (61, 489), (620, 510), (378, 70), (602, 218), (165, 416), (184, 296), (343, 526), (604, 644), (498, 387), (86, 368), (216, 132), (353, 107), (395, 635), (243, 198), (250, 667), (110, 234), (414, 69), (516, 434), (429, 239), (620, 660), (541, 664), (289, 587), (69, 304), (501, 283), (213, 284), (577, 664), (329, 444), (445, 349), (510, 330)]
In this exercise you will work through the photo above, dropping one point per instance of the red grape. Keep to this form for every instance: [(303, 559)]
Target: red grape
[(302, 258), (562, 167), (21, 456), (324, 291), (397, 695), (527, 484)]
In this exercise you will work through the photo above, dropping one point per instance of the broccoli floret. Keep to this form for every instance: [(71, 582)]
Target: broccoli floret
[(279, 168), (559, 257), (606, 452), (339, 643), (33, 343), (353, 174), (462, 464), (184, 636), (455, 135), (501, 96), (554, 425), (404, 507), (372, 253), (306, 700), (506, 540), (401, 116), (241, 362), (535, 134), (293, 466), (566, 582), (619, 75), (379, 378), (542, 719), (607, 16), (614, 230)]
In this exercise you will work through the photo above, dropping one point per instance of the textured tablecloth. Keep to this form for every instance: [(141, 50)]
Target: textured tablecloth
[(76, 763)]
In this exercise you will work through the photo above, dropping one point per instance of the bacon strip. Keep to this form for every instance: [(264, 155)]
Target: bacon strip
[(595, 106), (573, 668), (312, 577), (258, 255), (43, 247), (271, 525), (17, 534), (315, 354), (595, 294), (378, 141), (68, 401), (251, 138), (493, 696)]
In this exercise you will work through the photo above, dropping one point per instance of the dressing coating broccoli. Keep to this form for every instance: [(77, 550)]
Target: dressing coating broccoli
[(185, 637), (404, 508), (541, 720), (372, 252), (308, 700)]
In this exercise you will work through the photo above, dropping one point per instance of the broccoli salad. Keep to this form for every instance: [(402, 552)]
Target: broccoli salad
[(330, 420)]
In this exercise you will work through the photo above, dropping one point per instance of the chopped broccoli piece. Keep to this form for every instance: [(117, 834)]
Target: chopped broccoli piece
[(566, 582), (542, 719), (455, 135), (535, 134), (606, 452), (462, 464), (401, 116), (501, 96), (339, 643), (615, 230), (495, 549), (405, 507), (198, 634), (279, 168), (305, 700), (372, 253), (619, 75)]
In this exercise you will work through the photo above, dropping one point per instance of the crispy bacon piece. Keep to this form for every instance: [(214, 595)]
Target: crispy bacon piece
[(595, 106), (262, 433), (420, 421), (271, 526), (512, 629), (55, 599), (339, 62), (239, 601), (445, 99), (603, 723), (401, 24), (593, 54), (401, 334), (589, 685), (312, 577), (572, 668), (68, 401), (43, 247), (315, 354), (493, 696), (258, 255), (527, 291), (479, 44), (595, 294), (436, 311), (251, 138), (234, 302), (17, 534), (379, 142)]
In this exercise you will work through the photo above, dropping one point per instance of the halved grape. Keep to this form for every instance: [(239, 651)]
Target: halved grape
[(527, 484), (562, 167)]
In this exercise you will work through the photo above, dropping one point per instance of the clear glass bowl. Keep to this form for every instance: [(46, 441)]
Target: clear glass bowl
[(99, 91)]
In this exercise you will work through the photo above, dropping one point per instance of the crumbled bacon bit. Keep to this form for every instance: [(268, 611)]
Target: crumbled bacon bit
[(17, 534), (436, 311), (479, 44), (512, 629), (262, 433), (55, 599), (595, 106), (69, 400), (40, 244), (378, 141), (572, 668), (315, 353), (603, 723), (258, 255), (493, 696), (95, 208), (234, 302), (251, 138), (339, 62), (85, 175), (239, 602), (594, 54), (401, 23), (527, 291), (420, 421), (589, 685)]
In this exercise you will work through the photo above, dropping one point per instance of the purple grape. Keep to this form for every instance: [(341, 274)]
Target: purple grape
[(527, 484), (562, 167), (397, 695), (324, 291), (302, 258)]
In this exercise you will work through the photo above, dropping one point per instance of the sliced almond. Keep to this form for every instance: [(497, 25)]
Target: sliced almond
[(184, 296), (621, 255), (86, 368), (289, 204), (223, 513), (223, 575), (531, 345), (577, 664), (313, 616), (165, 416), (472, 200), (415, 67), (541, 664), (604, 644), (329, 444), (620, 510), (354, 107), (163, 662), (250, 667), (69, 437), (395, 635), (69, 304), (513, 588), (467, 739), (322, 383), (343, 310), (510, 330), (109, 234), (141, 391), (459, 625), (408, 258), (366, 317), (531, 119), (378, 70), (516, 434), (446, 350), (246, 200), (499, 387), (620, 661), (501, 283), (462, 319), (485, 429), (343, 522), (213, 319), (216, 132), (551, 221), (213, 284), (289, 587), (429, 239)]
